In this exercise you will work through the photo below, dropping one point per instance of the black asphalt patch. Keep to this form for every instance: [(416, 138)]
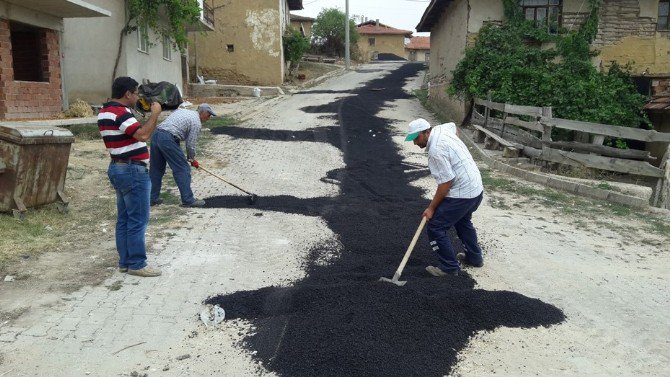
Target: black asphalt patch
[(389, 57), (339, 320)]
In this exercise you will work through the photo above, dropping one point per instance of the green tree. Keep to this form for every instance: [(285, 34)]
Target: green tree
[(167, 18), (329, 34), (295, 45)]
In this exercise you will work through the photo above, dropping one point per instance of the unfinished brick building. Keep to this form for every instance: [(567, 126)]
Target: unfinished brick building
[(30, 55)]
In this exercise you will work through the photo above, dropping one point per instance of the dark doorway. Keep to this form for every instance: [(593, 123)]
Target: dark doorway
[(27, 52)]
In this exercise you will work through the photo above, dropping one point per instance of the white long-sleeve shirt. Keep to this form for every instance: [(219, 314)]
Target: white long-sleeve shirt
[(449, 159)]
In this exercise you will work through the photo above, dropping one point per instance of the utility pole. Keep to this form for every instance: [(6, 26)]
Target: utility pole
[(347, 56)]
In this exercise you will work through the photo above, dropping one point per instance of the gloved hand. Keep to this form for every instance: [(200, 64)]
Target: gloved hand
[(195, 164)]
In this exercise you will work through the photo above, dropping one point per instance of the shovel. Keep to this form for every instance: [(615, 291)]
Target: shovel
[(252, 197), (396, 276)]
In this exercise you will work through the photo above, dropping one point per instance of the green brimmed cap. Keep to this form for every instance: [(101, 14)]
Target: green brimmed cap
[(415, 127)]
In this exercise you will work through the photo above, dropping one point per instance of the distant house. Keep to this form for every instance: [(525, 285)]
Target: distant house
[(91, 48), (303, 24), (635, 31), (379, 41), (418, 49), (30, 54), (246, 47)]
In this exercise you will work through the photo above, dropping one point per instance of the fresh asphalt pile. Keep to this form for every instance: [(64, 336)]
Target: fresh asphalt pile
[(340, 320)]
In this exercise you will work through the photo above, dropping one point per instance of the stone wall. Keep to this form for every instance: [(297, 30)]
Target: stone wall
[(620, 19), (30, 99)]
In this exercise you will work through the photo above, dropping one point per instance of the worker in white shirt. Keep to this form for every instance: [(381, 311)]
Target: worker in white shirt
[(459, 193)]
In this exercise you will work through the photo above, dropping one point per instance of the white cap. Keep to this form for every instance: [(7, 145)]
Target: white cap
[(415, 127)]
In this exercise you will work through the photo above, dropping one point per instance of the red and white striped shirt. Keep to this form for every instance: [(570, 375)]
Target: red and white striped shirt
[(117, 125)]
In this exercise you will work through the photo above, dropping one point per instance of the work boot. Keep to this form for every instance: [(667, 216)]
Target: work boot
[(196, 203), (146, 272), (157, 202), (464, 261), (123, 269), (436, 271)]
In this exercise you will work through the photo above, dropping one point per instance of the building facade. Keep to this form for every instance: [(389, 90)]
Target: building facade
[(630, 31), (150, 59), (246, 46), (418, 49), (379, 41), (31, 84), (303, 25)]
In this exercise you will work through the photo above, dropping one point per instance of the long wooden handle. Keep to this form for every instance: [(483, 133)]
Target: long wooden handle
[(239, 188), (396, 276)]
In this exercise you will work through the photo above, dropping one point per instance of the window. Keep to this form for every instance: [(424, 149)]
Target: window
[(663, 11), (167, 48), (543, 12), (371, 41), (143, 38), (427, 57), (230, 48), (28, 55)]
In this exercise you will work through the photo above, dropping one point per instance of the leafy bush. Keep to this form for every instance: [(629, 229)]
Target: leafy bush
[(507, 63), (295, 46)]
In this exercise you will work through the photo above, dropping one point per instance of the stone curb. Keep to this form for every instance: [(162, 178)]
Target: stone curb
[(557, 183)]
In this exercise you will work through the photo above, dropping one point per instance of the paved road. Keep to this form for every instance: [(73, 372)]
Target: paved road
[(611, 287)]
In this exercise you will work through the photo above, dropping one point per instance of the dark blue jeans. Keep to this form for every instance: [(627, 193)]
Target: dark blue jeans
[(165, 149), (132, 186), (457, 213)]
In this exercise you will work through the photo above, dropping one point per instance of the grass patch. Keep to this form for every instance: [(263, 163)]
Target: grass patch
[(38, 229), (604, 186), (422, 96), (221, 121), (85, 131)]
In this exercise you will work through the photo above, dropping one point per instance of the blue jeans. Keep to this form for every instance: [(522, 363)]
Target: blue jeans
[(457, 213), (166, 149), (132, 186)]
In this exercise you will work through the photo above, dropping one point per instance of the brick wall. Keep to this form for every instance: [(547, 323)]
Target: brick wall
[(24, 99)]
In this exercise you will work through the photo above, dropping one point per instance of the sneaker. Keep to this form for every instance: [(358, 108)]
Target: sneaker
[(464, 261), (436, 271), (196, 203), (123, 269), (157, 202), (146, 272)]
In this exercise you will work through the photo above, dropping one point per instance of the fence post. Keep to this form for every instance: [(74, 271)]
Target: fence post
[(487, 110), (502, 130), (663, 186), (546, 134)]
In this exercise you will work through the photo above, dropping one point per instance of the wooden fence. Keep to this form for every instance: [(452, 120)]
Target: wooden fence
[(527, 130)]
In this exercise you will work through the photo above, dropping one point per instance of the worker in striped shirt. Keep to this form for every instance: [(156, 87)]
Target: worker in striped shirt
[(459, 194), (128, 172)]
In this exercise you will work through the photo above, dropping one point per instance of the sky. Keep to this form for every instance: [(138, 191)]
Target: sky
[(400, 14)]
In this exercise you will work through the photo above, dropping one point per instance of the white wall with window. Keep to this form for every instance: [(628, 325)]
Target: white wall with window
[(167, 48), (142, 38), (155, 62)]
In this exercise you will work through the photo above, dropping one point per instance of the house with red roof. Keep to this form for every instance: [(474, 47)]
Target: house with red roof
[(381, 42), (418, 49)]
